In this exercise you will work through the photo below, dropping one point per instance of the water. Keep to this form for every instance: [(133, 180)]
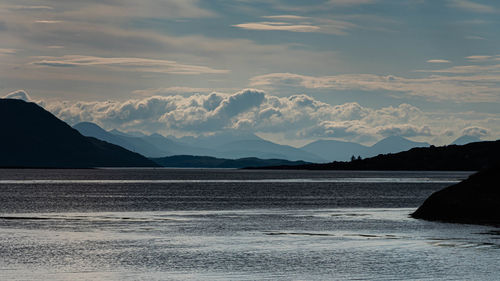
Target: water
[(177, 224)]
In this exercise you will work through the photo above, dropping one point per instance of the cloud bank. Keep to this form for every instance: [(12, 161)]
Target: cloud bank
[(294, 117)]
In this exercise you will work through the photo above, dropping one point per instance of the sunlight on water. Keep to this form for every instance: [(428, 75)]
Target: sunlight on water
[(316, 180), (245, 230)]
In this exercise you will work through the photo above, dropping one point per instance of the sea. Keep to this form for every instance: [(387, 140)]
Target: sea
[(228, 224)]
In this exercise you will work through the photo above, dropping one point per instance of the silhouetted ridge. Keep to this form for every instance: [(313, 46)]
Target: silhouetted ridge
[(33, 137), (470, 157), (188, 161)]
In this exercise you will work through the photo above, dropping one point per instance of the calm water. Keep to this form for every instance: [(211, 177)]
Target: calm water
[(167, 224)]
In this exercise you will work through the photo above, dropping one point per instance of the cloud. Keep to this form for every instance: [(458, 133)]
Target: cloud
[(438, 61), (294, 117), (404, 130), (29, 8), (474, 37), (348, 2), (286, 17), (470, 88), (133, 64), (7, 51), (249, 109), (48, 21), (471, 6), (479, 58), (295, 23), (172, 91), (476, 132), (19, 94), (282, 26)]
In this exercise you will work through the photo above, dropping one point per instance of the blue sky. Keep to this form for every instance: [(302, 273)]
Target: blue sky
[(290, 71)]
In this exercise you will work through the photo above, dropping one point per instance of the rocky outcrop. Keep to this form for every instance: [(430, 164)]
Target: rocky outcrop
[(475, 200)]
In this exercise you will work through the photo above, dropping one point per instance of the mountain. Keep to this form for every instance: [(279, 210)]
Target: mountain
[(470, 157), (131, 143), (465, 140), (334, 150), (188, 161), (217, 140), (392, 144), (33, 137), (264, 149), (176, 148), (474, 200)]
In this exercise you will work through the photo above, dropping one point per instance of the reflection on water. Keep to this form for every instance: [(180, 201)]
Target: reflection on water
[(227, 231)]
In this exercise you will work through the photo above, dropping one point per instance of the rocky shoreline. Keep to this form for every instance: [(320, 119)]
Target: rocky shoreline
[(475, 200)]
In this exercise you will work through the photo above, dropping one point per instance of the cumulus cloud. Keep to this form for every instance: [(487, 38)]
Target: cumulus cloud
[(299, 115), (404, 130), (475, 132), (19, 94), (294, 117)]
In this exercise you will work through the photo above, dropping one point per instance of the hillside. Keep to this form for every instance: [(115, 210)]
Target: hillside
[(33, 137), (188, 161), (469, 157)]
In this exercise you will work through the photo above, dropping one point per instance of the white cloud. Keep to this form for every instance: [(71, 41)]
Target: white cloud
[(471, 88), (295, 23), (297, 117), (281, 26), (4, 51), (476, 132), (480, 58), (48, 21), (438, 61), (404, 130), (19, 94), (134, 64), (286, 17)]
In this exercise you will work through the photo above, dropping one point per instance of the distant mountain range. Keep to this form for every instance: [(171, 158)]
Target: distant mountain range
[(343, 151), (469, 157), (230, 145), (33, 137), (222, 145), (189, 161)]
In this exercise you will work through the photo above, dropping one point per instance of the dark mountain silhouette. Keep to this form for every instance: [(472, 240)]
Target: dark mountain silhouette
[(474, 200), (33, 137), (188, 161), (469, 157), (465, 140)]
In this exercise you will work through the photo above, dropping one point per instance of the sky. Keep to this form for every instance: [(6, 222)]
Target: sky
[(290, 71)]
